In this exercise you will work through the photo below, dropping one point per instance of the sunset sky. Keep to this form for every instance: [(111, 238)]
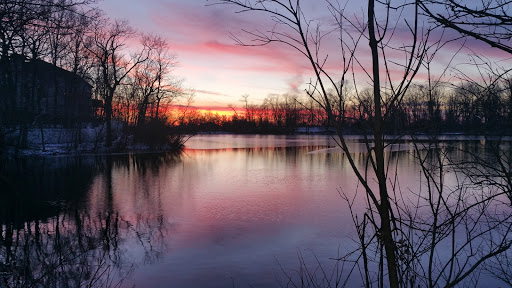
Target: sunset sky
[(220, 71)]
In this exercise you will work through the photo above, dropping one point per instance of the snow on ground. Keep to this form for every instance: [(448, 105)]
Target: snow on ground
[(66, 141)]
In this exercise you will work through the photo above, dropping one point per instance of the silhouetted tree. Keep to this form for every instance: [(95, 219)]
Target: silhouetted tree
[(106, 44), (152, 79), (393, 232)]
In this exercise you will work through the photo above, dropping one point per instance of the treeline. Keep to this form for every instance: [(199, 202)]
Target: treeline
[(467, 108), (47, 46), (278, 114)]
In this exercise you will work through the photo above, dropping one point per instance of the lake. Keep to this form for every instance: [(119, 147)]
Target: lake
[(230, 211)]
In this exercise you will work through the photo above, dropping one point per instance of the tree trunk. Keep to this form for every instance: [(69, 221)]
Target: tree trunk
[(141, 119), (385, 207), (157, 107), (108, 117)]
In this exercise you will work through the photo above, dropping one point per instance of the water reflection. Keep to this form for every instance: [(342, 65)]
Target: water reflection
[(208, 217), (50, 236)]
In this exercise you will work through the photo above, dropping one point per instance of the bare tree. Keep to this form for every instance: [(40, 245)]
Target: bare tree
[(153, 78), (32, 31), (107, 46), (403, 239), (292, 28)]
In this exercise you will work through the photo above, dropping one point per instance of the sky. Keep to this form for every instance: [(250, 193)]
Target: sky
[(220, 71), (210, 62)]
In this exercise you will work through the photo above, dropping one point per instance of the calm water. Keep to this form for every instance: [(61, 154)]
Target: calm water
[(229, 211)]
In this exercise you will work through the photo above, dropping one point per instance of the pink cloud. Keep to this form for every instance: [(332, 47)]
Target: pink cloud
[(200, 35), (193, 21), (208, 36)]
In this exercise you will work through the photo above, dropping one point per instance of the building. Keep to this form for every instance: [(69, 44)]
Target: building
[(35, 91)]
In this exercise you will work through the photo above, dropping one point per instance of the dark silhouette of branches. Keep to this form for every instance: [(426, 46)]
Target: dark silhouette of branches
[(486, 21), (402, 241)]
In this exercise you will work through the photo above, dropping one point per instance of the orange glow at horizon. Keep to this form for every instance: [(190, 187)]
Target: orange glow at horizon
[(218, 112), (221, 111)]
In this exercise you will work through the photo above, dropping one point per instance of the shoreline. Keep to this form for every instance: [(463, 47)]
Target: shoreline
[(63, 150)]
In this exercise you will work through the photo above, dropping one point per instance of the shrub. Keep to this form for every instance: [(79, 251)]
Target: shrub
[(157, 134)]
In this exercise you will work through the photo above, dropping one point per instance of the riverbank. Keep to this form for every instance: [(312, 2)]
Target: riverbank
[(90, 140), (87, 140)]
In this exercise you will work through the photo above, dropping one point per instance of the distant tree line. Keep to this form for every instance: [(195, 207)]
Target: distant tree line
[(466, 108)]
